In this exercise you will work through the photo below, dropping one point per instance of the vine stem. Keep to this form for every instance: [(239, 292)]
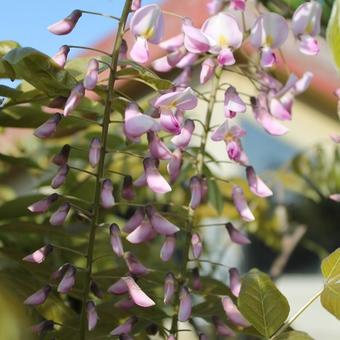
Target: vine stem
[(101, 164), (296, 315), (191, 213)]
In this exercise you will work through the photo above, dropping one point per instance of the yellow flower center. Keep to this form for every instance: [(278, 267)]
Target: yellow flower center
[(149, 33)]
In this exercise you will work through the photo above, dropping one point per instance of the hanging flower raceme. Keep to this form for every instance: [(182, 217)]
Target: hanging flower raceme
[(170, 102), (39, 255), (233, 104), (68, 280), (232, 138), (233, 313), (59, 216), (91, 78), (92, 316), (116, 242), (306, 26), (224, 35), (137, 123), (207, 70), (234, 281), (106, 195), (48, 128), (74, 99), (168, 248), (236, 236), (241, 204), (256, 185), (136, 293), (61, 57), (185, 305), (67, 24), (147, 25), (269, 32), (39, 297), (61, 157), (44, 204), (60, 177)]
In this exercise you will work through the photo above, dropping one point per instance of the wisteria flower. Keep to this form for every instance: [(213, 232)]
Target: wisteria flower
[(233, 103), (67, 24)]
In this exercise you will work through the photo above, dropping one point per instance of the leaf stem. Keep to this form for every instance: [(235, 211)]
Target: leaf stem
[(101, 164), (101, 14), (89, 48)]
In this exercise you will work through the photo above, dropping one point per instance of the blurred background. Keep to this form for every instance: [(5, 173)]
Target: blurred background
[(293, 231)]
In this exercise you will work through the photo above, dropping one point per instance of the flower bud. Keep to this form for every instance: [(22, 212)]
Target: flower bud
[(136, 4), (221, 328), (233, 313), (169, 288), (74, 99), (60, 177), (116, 242), (154, 179), (61, 158), (256, 185), (135, 220), (123, 51), (43, 327), (236, 236), (48, 128), (39, 255), (234, 281), (57, 102), (68, 280), (57, 275), (118, 288), (94, 152), (196, 245), (196, 192), (241, 204), (134, 265), (94, 288), (44, 204), (136, 293), (207, 70), (196, 280), (39, 297), (61, 57), (124, 328), (175, 164), (159, 223), (168, 248), (125, 304), (59, 216), (92, 316), (157, 148), (91, 78), (185, 305), (128, 192), (141, 234), (67, 24), (106, 195)]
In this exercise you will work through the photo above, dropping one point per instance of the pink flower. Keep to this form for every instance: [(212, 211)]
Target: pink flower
[(221, 328), (116, 242), (141, 234), (207, 70), (135, 220), (185, 305), (94, 152), (68, 280), (42, 327), (214, 6), (195, 40), (147, 26), (39, 297), (136, 4), (168, 248), (74, 99), (269, 32), (48, 128), (134, 265), (196, 192), (169, 288), (61, 157), (125, 328), (44, 204), (238, 5), (182, 140), (235, 281), (39, 255), (60, 177), (233, 104), (175, 164), (59, 216), (157, 147), (159, 223), (67, 24), (335, 197), (106, 196), (241, 204), (236, 236), (196, 245), (233, 313), (91, 78), (118, 288), (306, 26), (256, 185), (137, 123), (136, 293), (232, 138), (224, 36), (92, 316), (61, 57)]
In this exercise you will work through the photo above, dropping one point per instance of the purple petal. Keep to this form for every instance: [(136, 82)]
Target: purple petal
[(196, 192), (60, 177), (141, 234), (43, 205), (182, 100), (118, 288), (207, 70), (236, 236), (185, 305), (196, 280), (74, 99), (233, 313), (43, 327), (135, 220), (59, 216), (68, 280), (335, 197), (159, 223), (169, 288), (233, 103), (116, 242), (92, 316), (91, 77), (256, 185), (136, 293), (168, 248), (125, 328), (175, 164), (61, 157), (94, 152), (61, 57), (226, 57), (221, 328), (161, 64), (48, 128), (128, 192), (39, 255), (169, 122), (66, 25), (140, 51), (157, 148), (241, 204), (106, 195), (196, 245), (153, 178), (194, 39), (39, 297), (235, 281), (182, 140), (134, 265)]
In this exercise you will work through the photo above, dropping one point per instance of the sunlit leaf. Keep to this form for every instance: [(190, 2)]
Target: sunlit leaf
[(6, 46)]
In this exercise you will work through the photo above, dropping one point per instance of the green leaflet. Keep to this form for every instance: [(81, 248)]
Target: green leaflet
[(6, 46)]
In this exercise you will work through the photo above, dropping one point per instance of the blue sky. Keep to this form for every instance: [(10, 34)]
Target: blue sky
[(26, 22)]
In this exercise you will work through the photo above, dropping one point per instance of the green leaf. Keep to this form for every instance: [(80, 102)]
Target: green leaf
[(144, 75), (9, 92), (293, 335), (215, 197), (333, 32), (261, 303), (41, 71), (330, 296), (19, 161), (6, 46), (6, 70)]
